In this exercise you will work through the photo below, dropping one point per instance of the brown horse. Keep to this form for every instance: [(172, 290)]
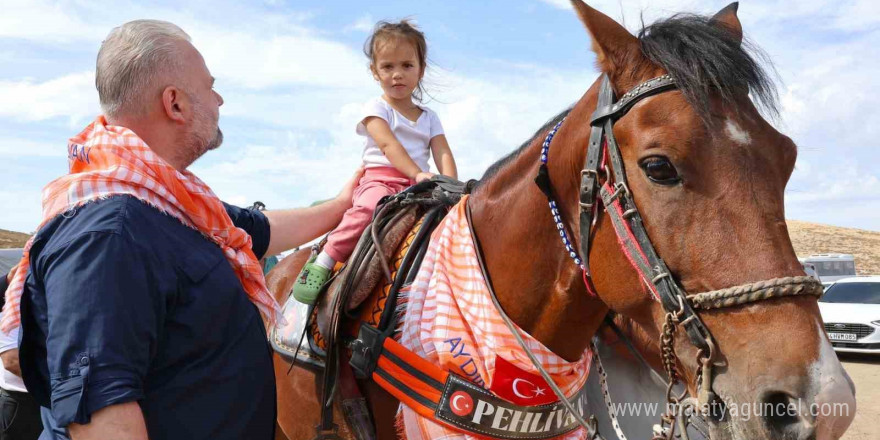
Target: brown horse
[(708, 174)]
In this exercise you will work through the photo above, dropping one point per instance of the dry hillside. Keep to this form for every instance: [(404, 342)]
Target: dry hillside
[(808, 239), (814, 238), (10, 239)]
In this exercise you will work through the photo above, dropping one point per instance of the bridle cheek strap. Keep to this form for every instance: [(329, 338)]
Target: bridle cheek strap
[(625, 238)]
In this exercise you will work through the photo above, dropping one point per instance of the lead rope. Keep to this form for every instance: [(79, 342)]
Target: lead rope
[(606, 395), (592, 426)]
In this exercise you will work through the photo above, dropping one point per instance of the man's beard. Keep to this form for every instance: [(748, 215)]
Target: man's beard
[(215, 142), (197, 143)]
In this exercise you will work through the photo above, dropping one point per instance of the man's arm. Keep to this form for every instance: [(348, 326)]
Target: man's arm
[(124, 421), (10, 361), (105, 301), (294, 227)]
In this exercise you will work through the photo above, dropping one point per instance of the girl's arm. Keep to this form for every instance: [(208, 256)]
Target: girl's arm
[(443, 156), (380, 131)]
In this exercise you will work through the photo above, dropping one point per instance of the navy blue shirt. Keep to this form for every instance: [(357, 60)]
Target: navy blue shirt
[(124, 303)]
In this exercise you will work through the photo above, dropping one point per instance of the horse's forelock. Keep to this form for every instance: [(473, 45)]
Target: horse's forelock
[(703, 56)]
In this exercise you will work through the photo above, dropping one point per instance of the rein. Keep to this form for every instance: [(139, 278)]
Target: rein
[(615, 196)]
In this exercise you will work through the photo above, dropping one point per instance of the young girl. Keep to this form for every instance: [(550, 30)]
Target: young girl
[(400, 137)]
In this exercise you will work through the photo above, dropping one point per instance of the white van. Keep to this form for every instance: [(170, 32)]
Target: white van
[(829, 268)]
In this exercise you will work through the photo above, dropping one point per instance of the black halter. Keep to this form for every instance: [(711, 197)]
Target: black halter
[(671, 296), (627, 222)]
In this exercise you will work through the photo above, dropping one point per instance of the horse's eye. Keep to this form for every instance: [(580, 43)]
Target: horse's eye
[(660, 170)]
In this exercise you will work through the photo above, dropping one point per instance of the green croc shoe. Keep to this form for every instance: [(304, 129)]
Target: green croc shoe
[(309, 282)]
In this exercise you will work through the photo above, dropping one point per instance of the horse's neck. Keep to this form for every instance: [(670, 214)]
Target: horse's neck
[(536, 282)]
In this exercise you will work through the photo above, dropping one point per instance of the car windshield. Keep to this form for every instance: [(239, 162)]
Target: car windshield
[(860, 293)]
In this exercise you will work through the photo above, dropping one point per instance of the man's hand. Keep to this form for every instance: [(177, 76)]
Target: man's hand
[(10, 361), (11, 274), (123, 421), (347, 192)]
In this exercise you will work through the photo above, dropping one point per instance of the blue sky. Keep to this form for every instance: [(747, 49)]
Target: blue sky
[(294, 77)]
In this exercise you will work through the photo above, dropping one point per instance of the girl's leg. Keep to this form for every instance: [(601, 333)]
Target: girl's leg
[(343, 239)]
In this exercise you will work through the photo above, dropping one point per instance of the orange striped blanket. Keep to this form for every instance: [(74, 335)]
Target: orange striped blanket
[(450, 320)]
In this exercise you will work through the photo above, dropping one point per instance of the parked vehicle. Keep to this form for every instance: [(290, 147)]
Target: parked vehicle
[(829, 268), (851, 311), (9, 258)]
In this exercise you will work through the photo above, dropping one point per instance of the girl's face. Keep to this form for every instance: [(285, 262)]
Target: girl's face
[(397, 69)]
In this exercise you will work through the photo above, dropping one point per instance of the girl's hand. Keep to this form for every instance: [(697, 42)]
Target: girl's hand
[(421, 177)]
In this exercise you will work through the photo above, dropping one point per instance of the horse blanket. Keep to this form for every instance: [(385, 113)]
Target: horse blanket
[(450, 320)]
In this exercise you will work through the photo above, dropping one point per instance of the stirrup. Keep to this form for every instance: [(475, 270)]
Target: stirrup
[(327, 434)]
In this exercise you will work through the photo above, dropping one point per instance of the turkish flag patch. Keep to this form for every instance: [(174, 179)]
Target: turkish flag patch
[(518, 386)]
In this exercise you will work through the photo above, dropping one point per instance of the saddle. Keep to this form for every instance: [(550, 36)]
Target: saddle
[(389, 251)]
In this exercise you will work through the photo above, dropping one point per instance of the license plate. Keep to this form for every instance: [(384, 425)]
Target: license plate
[(841, 336)]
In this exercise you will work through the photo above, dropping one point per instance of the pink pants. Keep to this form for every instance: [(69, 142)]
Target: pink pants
[(376, 183)]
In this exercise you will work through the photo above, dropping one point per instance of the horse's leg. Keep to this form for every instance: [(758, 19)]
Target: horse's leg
[(299, 394), (298, 407), (384, 409), (279, 433), (299, 391)]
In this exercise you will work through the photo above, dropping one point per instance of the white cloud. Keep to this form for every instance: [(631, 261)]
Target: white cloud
[(17, 147), (258, 61), (849, 16), (631, 12), (21, 208), (71, 96), (307, 105), (561, 4), (843, 194), (484, 118), (363, 24), (44, 21)]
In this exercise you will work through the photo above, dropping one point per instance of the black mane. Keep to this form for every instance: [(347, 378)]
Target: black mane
[(701, 56)]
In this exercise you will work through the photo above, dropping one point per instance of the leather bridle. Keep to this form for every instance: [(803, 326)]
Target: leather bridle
[(618, 203)]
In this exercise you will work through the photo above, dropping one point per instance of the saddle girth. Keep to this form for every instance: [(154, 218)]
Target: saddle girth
[(433, 197)]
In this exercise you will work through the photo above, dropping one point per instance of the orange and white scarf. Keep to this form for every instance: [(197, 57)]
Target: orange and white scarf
[(450, 320), (107, 160)]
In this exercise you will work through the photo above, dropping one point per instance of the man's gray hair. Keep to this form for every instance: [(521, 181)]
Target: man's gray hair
[(132, 59)]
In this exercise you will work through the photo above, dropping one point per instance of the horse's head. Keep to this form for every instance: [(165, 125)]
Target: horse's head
[(707, 173)]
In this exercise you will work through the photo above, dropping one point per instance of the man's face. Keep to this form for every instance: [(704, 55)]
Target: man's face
[(203, 132)]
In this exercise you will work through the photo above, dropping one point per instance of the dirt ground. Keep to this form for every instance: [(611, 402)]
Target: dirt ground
[(865, 372)]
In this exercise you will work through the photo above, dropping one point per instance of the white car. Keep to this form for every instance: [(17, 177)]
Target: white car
[(851, 311)]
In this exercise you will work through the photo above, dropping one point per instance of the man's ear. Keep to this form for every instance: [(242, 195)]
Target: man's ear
[(175, 104)]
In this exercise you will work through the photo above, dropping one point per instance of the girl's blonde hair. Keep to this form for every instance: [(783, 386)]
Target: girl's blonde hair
[(386, 32)]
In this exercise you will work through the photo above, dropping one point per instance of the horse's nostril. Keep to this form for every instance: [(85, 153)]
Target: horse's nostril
[(782, 416)]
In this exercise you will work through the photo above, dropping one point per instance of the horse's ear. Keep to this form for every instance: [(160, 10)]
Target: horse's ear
[(613, 44), (728, 19)]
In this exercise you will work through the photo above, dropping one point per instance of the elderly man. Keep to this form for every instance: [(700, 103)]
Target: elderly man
[(139, 309)]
